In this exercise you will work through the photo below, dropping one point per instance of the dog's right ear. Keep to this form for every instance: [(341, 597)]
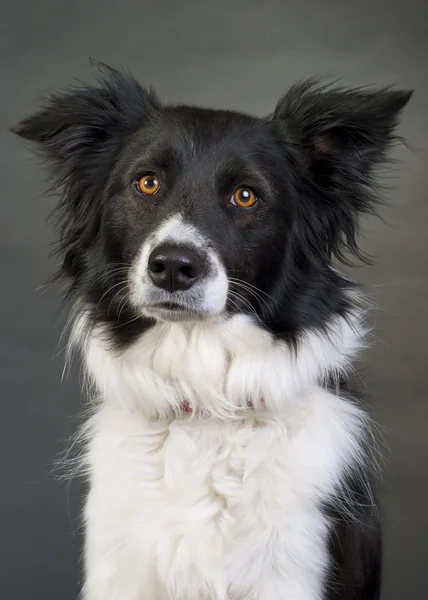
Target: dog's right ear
[(78, 122), (79, 132)]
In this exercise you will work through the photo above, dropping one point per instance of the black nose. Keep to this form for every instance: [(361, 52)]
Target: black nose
[(173, 268)]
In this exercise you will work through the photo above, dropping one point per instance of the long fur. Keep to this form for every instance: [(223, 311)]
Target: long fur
[(226, 459)]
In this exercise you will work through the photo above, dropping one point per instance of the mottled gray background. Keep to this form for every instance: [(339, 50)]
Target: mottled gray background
[(236, 54)]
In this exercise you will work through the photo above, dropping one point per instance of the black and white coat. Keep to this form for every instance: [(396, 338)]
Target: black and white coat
[(225, 460)]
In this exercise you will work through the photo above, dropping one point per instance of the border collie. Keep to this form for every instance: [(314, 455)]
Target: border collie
[(226, 457)]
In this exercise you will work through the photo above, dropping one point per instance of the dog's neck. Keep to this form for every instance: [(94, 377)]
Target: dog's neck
[(216, 369)]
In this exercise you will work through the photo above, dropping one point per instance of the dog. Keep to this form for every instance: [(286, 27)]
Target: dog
[(226, 454)]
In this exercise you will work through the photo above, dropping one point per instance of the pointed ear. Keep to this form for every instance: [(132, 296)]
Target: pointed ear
[(72, 122), (79, 132), (336, 137)]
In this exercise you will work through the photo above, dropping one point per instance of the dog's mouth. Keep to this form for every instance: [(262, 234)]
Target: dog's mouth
[(170, 306), (174, 311)]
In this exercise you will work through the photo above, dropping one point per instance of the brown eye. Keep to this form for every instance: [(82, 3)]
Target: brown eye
[(148, 184), (244, 198)]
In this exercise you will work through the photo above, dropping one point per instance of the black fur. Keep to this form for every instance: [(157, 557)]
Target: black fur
[(311, 165), (355, 541)]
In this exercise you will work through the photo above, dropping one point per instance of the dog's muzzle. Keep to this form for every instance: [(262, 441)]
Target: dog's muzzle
[(178, 275)]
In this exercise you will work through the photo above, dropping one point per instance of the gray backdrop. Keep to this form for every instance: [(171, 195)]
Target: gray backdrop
[(236, 54)]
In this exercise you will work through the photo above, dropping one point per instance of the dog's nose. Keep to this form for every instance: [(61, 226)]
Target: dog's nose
[(173, 268)]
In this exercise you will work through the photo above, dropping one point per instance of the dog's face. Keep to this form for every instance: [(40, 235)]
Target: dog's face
[(183, 214), (197, 205)]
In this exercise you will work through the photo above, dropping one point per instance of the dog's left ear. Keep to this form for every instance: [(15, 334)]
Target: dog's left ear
[(335, 137)]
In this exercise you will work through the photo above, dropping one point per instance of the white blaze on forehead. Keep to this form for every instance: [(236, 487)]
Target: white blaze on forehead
[(176, 230)]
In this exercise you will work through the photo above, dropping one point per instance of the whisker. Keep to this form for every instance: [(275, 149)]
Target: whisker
[(110, 273), (236, 305), (115, 296), (122, 306), (246, 302), (128, 322), (250, 285), (110, 289), (250, 291)]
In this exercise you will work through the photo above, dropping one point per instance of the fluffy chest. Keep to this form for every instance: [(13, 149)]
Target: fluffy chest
[(218, 510)]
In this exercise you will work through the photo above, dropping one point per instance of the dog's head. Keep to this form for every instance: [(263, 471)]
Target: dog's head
[(179, 213)]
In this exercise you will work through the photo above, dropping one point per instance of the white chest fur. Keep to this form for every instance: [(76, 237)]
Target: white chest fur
[(221, 508)]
